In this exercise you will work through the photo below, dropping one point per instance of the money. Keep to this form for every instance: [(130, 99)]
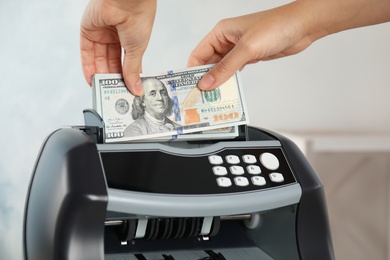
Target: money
[(214, 134), (172, 105)]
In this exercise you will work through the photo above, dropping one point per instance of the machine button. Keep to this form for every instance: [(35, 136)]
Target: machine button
[(232, 159), (269, 160), (258, 180), (215, 159), (253, 169), (248, 158), (276, 177), (219, 170), (236, 170), (241, 181), (224, 182)]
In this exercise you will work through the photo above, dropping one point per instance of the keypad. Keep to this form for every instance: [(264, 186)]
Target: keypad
[(232, 159), (224, 182), (249, 158), (253, 169), (215, 159), (247, 169), (276, 177), (258, 180), (219, 170), (237, 170), (241, 181)]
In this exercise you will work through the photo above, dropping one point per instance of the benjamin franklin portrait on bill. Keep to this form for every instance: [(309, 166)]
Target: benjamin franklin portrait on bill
[(150, 111)]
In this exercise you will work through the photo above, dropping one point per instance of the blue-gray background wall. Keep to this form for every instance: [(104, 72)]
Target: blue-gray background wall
[(340, 84)]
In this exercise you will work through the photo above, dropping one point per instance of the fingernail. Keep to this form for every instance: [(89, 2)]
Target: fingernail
[(206, 82)]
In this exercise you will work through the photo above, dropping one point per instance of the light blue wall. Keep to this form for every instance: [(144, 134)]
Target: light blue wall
[(340, 84)]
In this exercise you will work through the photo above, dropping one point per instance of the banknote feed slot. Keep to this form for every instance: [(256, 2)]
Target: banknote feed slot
[(253, 198)]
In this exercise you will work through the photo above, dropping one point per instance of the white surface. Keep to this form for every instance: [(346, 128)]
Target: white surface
[(340, 83), (340, 142), (355, 171)]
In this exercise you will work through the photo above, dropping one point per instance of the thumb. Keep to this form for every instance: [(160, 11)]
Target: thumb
[(223, 70), (132, 67)]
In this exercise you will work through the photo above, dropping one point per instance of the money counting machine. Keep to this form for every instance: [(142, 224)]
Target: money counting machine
[(256, 198)]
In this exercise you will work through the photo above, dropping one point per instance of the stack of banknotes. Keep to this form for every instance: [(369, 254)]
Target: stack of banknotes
[(171, 108)]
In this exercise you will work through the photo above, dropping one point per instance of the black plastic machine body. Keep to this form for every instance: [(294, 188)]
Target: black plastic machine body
[(251, 199)]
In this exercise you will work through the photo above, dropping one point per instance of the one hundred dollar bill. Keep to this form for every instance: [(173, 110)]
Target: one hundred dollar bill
[(225, 133), (172, 105)]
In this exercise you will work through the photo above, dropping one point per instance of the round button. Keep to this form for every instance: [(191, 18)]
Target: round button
[(269, 160)]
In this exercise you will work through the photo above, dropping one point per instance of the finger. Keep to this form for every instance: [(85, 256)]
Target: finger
[(101, 57), (131, 70), (114, 58), (215, 58), (202, 53), (224, 69), (87, 59)]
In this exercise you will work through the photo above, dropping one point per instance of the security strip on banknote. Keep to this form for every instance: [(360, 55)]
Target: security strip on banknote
[(172, 105)]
